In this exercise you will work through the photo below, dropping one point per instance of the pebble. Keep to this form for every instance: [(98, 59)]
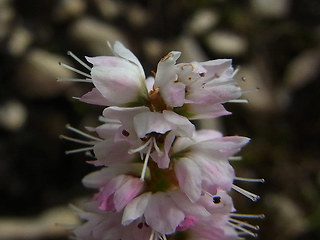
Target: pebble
[(203, 21), (13, 115), (271, 8), (227, 43), (66, 9), (302, 69), (37, 76), (93, 35), (19, 41)]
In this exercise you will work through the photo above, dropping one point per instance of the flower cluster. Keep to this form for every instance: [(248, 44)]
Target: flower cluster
[(158, 175)]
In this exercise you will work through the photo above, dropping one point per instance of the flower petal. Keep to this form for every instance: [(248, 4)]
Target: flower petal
[(162, 214), (189, 177), (135, 208)]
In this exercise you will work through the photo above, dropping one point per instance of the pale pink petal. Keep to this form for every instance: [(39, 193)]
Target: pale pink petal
[(150, 83), (163, 160), (188, 222), (182, 126), (203, 111), (173, 94), (189, 177), (127, 191), (108, 152), (147, 122), (162, 214), (222, 148), (108, 61), (118, 84), (120, 50), (188, 207), (95, 97), (136, 208)]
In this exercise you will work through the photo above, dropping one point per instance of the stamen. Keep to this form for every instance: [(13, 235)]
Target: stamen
[(235, 158), (79, 150), (78, 60), (156, 147), (245, 224), (246, 193), (108, 120), (145, 164), (240, 215), (243, 229), (238, 101), (214, 84), (250, 90), (76, 98), (261, 180), (74, 80), (74, 69), (151, 235), (77, 140), (235, 71), (83, 133), (131, 151)]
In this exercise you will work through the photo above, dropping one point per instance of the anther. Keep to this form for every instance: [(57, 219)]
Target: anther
[(216, 199), (246, 193), (125, 133)]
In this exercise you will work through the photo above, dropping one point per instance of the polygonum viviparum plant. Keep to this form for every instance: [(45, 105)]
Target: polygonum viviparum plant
[(158, 176)]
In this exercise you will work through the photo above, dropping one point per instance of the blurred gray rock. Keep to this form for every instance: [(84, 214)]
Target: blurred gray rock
[(109, 9), (7, 15), (203, 21), (302, 69), (50, 224), (66, 9), (37, 75), (288, 213), (227, 43), (137, 16), (271, 8), (13, 115), (94, 34), (154, 50), (19, 41), (190, 48)]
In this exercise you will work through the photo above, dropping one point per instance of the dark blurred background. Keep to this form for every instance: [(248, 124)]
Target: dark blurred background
[(275, 43)]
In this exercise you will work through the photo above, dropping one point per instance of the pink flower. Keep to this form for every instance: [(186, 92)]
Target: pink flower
[(107, 225), (201, 163), (116, 188), (164, 212), (196, 89), (141, 127), (119, 80)]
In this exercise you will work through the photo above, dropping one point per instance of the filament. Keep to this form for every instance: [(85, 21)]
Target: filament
[(145, 164), (77, 140), (243, 229), (79, 150), (261, 180), (83, 133), (74, 69), (131, 151), (246, 193), (78, 60), (235, 158), (244, 224), (238, 101), (241, 215), (74, 80)]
